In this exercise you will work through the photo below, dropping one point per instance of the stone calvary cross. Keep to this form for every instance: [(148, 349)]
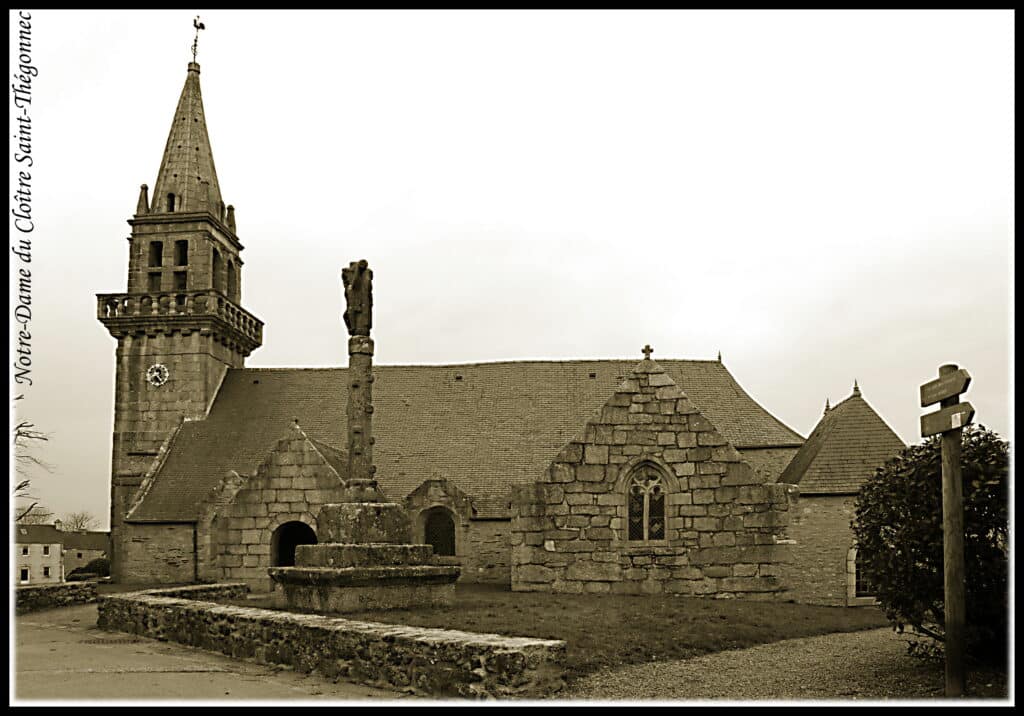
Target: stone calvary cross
[(358, 283)]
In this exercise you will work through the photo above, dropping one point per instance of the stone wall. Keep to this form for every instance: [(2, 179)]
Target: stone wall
[(52, 596), (821, 527), (723, 531), (431, 662), (488, 558), (155, 553)]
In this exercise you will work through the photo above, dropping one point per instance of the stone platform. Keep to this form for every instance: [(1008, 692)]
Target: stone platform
[(352, 589), (367, 562)]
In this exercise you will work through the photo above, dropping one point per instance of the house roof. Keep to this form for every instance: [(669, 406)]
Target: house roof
[(86, 540), (482, 426), (36, 534), (843, 450)]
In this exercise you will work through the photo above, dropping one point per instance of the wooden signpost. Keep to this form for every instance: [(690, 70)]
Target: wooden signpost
[(949, 422)]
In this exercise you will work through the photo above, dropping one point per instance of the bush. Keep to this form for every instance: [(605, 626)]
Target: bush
[(898, 529), (99, 566), (79, 576)]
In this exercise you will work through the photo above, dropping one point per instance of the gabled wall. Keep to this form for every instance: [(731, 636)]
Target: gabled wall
[(292, 484), (722, 526)]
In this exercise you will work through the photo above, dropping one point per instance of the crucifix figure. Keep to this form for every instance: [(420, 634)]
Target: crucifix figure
[(357, 279), (195, 43), (647, 350)]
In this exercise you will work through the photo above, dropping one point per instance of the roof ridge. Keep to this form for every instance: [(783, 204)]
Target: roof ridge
[(514, 361)]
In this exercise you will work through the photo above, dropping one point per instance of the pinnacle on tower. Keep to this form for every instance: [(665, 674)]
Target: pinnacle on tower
[(827, 408), (143, 206), (856, 390)]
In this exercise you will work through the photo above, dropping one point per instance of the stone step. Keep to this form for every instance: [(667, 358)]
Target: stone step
[(380, 577), (362, 555)]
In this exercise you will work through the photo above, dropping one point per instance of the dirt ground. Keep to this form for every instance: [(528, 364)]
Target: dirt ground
[(60, 654)]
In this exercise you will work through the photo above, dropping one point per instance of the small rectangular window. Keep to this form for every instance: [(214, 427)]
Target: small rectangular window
[(180, 280), (156, 253), (154, 282), (24, 551), (46, 550), (181, 253), (79, 555), (46, 571), (24, 574)]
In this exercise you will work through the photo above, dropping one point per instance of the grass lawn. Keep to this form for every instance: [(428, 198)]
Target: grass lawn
[(611, 630)]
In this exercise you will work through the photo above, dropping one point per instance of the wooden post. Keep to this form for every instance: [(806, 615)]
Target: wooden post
[(953, 552)]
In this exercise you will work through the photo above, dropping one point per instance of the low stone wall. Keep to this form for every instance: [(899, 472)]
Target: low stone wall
[(432, 662), (51, 596)]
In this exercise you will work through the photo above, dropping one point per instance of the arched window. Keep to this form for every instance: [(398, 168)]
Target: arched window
[(861, 577), (218, 270), (285, 539), (645, 497), (439, 531), (231, 280)]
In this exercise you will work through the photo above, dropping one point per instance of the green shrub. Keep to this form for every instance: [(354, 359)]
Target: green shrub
[(898, 529), (99, 566), (80, 576)]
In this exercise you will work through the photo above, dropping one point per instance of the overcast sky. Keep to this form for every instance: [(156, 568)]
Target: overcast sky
[(821, 196)]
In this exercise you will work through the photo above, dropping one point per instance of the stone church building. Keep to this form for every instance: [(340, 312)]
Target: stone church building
[(580, 475)]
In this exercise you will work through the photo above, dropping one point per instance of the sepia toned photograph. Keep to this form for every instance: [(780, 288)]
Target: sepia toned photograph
[(511, 357)]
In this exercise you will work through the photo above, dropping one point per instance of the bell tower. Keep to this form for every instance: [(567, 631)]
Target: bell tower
[(179, 326)]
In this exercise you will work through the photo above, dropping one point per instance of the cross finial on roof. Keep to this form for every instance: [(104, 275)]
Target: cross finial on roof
[(195, 43), (856, 390), (647, 350)]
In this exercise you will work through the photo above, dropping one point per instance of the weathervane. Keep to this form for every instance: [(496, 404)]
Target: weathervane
[(195, 43)]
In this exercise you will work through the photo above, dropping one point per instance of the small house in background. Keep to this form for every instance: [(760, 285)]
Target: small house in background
[(82, 547), (846, 447), (38, 554)]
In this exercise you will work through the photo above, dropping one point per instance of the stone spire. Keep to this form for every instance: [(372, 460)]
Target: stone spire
[(856, 388), (187, 165), (827, 407)]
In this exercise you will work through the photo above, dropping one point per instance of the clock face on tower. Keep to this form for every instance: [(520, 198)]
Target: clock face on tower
[(157, 374)]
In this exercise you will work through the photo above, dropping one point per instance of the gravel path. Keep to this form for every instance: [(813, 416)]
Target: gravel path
[(858, 665)]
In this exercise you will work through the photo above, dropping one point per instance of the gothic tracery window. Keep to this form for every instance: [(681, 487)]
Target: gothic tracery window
[(646, 501)]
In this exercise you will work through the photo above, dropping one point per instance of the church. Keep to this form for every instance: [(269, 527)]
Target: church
[(219, 471)]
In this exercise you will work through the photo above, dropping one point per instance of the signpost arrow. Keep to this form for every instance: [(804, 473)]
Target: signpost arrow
[(951, 418), (946, 386)]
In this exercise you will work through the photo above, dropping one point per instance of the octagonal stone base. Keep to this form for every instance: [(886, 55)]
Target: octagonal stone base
[(330, 590)]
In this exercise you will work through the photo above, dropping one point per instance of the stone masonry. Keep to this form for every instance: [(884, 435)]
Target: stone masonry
[(429, 662), (723, 531), (52, 596)]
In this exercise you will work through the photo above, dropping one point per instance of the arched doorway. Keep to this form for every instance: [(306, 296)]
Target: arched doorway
[(439, 531), (285, 539)]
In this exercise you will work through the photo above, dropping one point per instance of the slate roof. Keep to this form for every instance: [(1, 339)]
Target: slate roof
[(483, 426), (86, 540), (37, 534), (843, 450)]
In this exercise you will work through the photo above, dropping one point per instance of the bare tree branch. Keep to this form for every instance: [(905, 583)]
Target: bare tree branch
[(78, 521)]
